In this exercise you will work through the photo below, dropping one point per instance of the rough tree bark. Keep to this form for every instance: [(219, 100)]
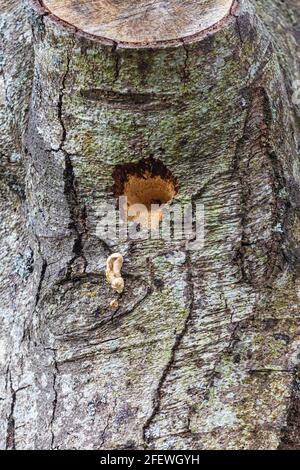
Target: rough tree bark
[(203, 351)]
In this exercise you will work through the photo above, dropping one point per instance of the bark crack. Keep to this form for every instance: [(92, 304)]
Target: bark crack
[(178, 340), (54, 402), (117, 63), (60, 106), (40, 285), (11, 423), (290, 434), (10, 433), (259, 252), (103, 434), (77, 215)]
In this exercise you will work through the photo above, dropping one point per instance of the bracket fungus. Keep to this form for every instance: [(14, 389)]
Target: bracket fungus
[(114, 265)]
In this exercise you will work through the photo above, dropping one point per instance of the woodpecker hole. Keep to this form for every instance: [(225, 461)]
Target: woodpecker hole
[(148, 182)]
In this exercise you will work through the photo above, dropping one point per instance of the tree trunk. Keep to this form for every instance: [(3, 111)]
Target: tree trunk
[(201, 350)]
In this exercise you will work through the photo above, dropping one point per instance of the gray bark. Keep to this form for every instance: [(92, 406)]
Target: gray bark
[(203, 352)]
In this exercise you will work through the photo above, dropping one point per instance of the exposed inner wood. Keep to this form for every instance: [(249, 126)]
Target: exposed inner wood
[(145, 195), (140, 21), (147, 185), (148, 190)]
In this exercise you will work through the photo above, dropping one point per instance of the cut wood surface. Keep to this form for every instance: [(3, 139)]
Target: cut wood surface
[(141, 21)]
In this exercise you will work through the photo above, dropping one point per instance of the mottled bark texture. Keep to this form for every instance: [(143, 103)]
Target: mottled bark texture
[(203, 352)]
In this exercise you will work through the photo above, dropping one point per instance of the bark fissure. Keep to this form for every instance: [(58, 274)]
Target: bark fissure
[(60, 105), (178, 340), (55, 399), (41, 281), (255, 144), (10, 433), (290, 434), (109, 419), (76, 213), (117, 63)]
